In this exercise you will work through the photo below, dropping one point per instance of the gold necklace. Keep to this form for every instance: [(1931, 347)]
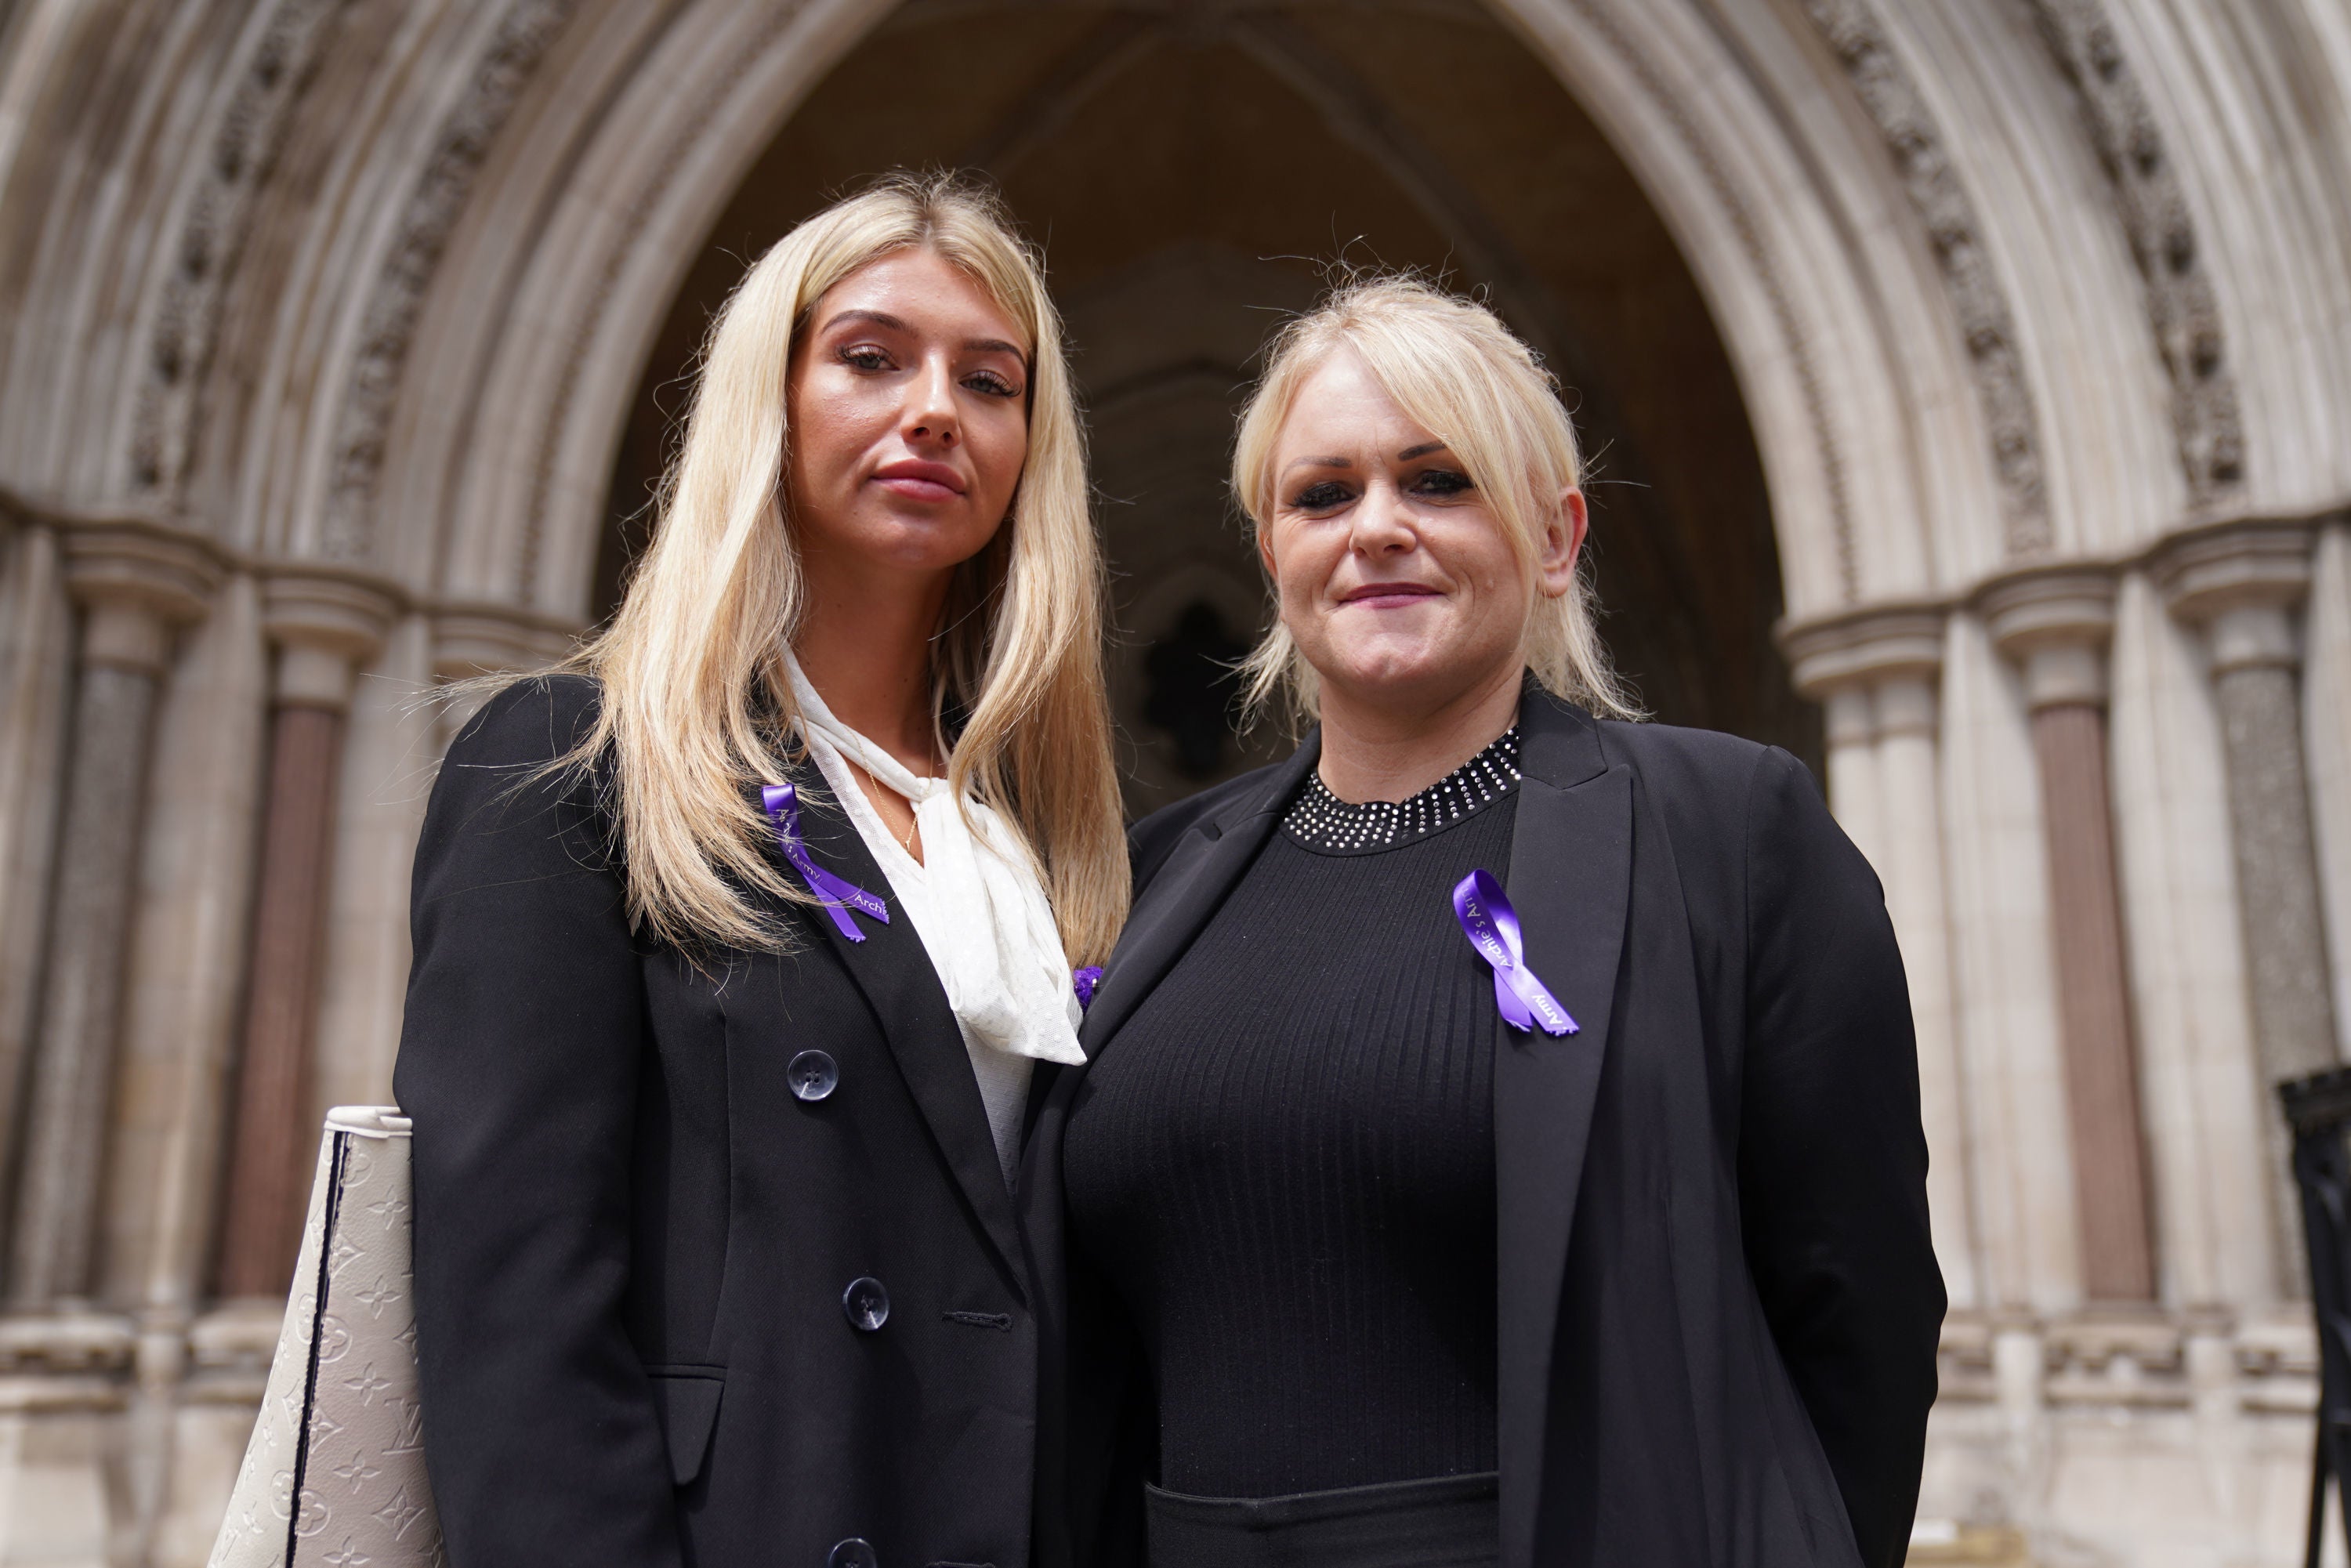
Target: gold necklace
[(907, 839)]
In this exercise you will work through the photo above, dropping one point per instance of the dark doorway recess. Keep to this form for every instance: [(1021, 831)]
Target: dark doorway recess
[(1192, 172)]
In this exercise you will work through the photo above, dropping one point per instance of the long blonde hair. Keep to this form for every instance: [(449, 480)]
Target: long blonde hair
[(1452, 365), (697, 708)]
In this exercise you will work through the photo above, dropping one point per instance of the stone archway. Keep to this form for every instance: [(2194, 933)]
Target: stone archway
[(324, 324), (1194, 176)]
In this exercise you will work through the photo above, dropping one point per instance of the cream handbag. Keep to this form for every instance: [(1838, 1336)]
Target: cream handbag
[(335, 1472)]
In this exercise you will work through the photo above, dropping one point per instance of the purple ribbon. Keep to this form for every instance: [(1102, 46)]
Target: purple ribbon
[(1084, 982), (1492, 928), (839, 897)]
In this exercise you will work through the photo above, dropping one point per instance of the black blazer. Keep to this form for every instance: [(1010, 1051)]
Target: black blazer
[(633, 1240), (1719, 1304)]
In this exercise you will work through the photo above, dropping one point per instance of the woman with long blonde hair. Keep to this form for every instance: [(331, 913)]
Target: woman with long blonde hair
[(1499, 1139), (737, 943)]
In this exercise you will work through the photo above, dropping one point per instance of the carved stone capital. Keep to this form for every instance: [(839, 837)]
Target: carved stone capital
[(172, 573), (137, 580), (2252, 565), (325, 624), (1905, 703), (2055, 624), (2240, 581), (1864, 648), (1850, 718), (72, 1341), (489, 640), (2057, 604)]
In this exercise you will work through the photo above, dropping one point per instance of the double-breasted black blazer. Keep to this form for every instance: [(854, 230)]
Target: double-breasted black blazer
[(1717, 1302), (633, 1239)]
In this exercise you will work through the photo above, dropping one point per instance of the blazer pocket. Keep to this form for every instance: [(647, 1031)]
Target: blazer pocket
[(685, 1402)]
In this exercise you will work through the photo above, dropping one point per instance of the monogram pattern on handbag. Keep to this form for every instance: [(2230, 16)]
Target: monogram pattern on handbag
[(334, 1474)]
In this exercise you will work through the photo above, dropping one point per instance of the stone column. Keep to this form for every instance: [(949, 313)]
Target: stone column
[(135, 584), (1856, 796), (2327, 731), (194, 906), (490, 640), (37, 656), (389, 762), (2242, 582), (1876, 674), (2055, 626), (323, 627)]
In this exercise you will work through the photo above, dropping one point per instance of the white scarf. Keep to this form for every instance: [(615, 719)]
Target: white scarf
[(996, 949)]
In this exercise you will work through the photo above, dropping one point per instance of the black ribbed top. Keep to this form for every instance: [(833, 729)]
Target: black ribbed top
[(1284, 1163)]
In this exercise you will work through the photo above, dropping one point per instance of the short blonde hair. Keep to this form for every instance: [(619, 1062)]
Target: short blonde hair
[(1452, 365), (697, 705)]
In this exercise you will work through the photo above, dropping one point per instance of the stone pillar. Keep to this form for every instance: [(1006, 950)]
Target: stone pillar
[(36, 656), (323, 627), (389, 761), (491, 640), (181, 996), (135, 584), (2055, 626), (2209, 1119), (1855, 793), (1876, 674), (2242, 582), (2327, 731)]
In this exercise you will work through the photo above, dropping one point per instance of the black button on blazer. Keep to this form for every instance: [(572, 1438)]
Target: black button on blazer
[(674, 1305), (1719, 1303)]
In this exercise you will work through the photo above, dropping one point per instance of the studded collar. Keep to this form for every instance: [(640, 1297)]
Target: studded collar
[(1321, 822)]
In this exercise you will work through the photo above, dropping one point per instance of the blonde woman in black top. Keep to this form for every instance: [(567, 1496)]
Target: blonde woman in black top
[(1501, 1139)]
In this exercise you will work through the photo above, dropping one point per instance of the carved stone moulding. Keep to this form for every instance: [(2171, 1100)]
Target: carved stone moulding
[(1763, 269), (2053, 604), (229, 1351), (214, 225), (2137, 1361), (2276, 1364), (1885, 643), (72, 1362), (2240, 579), (1929, 175), (429, 215), (326, 624), (1963, 1359), (2150, 199), (66, 1359), (2055, 622), (489, 640), (172, 572), (2141, 1357), (2235, 577), (138, 580), (2254, 563)]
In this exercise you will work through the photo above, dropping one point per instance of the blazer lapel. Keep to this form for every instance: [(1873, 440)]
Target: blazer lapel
[(893, 969), (1570, 874), (1187, 890)]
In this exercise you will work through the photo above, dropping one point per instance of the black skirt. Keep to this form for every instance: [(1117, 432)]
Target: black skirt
[(1445, 1522)]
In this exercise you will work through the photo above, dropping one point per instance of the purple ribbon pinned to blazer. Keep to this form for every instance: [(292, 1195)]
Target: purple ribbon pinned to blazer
[(1492, 928), (837, 896), (1083, 981)]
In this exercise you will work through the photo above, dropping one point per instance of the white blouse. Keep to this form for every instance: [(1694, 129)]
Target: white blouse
[(977, 905)]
